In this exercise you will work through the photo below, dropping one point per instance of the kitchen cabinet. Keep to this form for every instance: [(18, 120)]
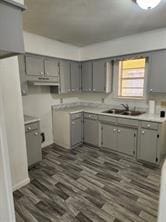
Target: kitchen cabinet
[(51, 67), (149, 142), (76, 130), (119, 135), (11, 41), (65, 81), (40, 70), (91, 129), (33, 143), (86, 75), (75, 76), (109, 136), (127, 140), (157, 77), (99, 76)]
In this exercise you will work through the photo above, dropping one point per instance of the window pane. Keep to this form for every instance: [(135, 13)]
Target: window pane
[(133, 73), (132, 92), (133, 83)]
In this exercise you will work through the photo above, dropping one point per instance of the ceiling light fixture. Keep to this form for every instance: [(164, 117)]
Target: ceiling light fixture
[(148, 4)]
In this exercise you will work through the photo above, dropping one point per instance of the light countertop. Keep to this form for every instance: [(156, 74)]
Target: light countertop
[(99, 110), (30, 119)]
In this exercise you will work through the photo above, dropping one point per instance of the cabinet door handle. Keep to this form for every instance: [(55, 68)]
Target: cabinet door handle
[(36, 134), (143, 132), (41, 73), (148, 125), (47, 73), (118, 131), (114, 130), (29, 128), (151, 90)]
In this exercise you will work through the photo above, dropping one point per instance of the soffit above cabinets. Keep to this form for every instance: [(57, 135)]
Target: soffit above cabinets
[(84, 22)]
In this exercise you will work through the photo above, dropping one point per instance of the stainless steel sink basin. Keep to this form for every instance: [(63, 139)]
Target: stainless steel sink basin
[(123, 112)]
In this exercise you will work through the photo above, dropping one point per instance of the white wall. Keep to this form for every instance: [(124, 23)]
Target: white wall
[(11, 95), (44, 46), (146, 41)]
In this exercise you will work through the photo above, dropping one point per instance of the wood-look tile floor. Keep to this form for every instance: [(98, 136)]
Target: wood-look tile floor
[(88, 184)]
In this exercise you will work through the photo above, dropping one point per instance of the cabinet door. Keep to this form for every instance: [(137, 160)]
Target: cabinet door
[(157, 78), (91, 132), (51, 67), (75, 76), (33, 142), (148, 145), (87, 76), (127, 140), (65, 83), (109, 136), (76, 131), (34, 65), (99, 76)]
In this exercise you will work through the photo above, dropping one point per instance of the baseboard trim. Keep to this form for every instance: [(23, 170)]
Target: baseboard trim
[(21, 184)]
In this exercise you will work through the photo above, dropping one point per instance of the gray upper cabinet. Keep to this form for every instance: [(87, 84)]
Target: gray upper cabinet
[(99, 76), (127, 140), (11, 41), (87, 76), (51, 67), (157, 78), (75, 76), (65, 82), (34, 65)]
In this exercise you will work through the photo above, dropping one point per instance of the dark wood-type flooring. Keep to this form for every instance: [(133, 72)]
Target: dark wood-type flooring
[(88, 184)]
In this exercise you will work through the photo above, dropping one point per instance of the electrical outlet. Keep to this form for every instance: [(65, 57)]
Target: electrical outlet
[(163, 103)]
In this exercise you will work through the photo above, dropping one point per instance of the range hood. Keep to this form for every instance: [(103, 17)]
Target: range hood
[(11, 33)]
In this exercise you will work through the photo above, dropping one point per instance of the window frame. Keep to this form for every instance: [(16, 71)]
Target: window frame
[(116, 80)]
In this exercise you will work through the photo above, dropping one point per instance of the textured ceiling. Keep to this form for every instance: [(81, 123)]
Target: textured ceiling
[(84, 22)]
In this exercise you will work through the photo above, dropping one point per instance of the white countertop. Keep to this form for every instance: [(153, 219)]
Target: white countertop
[(30, 119), (100, 110)]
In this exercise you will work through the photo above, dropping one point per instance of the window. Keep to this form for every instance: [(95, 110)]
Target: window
[(131, 78)]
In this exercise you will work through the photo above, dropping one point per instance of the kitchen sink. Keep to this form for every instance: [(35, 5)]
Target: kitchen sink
[(123, 112)]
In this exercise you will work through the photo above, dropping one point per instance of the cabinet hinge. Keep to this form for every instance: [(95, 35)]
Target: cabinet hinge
[(158, 135), (156, 159)]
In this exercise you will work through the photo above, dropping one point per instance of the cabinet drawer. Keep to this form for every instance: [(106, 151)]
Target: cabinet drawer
[(110, 119), (31, 126), (129, 122), (76, 115), (90, 116), (149, 125)]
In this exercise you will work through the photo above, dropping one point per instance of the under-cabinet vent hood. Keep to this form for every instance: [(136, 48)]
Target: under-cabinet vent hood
[(11, 33), (42, 83)]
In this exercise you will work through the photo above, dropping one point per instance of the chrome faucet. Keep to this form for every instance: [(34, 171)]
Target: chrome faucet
[(126, 106)]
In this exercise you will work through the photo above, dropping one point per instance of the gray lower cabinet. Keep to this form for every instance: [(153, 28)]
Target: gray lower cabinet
[(33, 143), (99, 76), (157, 78), (148, 145), (119, 138), (127, 140), (86, 75), (76, 129), (109, 136), (75, 76), (65, 80), (91, 129)]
